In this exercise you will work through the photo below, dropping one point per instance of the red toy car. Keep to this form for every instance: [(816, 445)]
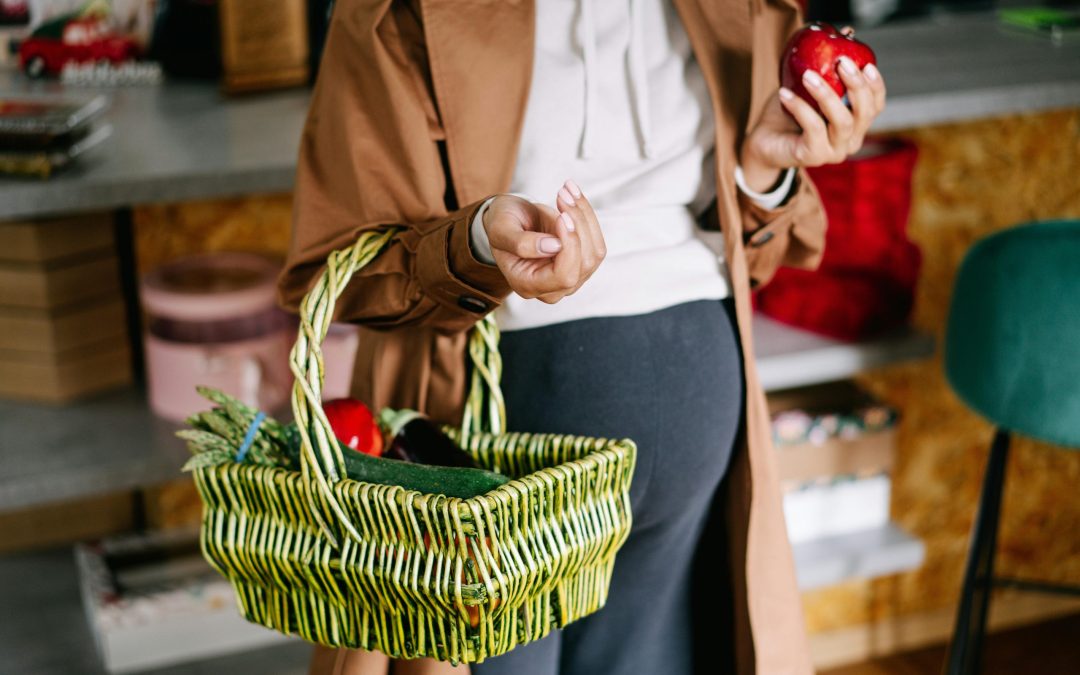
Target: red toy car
[(65, 39)]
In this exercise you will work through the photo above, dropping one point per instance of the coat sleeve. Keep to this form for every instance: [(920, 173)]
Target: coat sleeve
[(371, 155), (792, 234)]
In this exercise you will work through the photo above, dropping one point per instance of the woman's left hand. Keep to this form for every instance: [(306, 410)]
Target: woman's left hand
[(778, 142)]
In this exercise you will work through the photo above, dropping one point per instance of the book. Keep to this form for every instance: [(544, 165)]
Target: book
[(46, 122), (42, 163)]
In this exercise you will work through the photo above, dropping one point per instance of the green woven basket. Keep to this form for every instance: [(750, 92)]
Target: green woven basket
[(344, 563)]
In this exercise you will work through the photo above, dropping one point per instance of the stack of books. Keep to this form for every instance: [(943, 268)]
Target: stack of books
[(42, 134), (63, 322)]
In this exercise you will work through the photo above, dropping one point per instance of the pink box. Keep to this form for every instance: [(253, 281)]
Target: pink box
[(212, 319)]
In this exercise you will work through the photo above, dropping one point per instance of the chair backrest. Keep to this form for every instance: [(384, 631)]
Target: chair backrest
[(1012, 346)]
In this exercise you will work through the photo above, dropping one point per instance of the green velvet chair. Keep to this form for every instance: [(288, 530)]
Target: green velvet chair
[(1012, 354)]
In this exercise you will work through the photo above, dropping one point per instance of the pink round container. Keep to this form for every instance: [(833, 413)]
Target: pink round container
[(212, 319)]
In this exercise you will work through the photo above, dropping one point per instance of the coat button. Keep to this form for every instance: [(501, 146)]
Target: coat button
[(473, 304)]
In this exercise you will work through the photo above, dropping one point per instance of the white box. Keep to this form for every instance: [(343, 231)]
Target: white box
[(152, 600), (839, 506)]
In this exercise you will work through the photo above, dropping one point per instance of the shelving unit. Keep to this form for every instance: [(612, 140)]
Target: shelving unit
[(789, 357), (113, 442)]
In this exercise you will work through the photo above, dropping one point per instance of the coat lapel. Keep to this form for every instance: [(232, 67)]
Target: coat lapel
[(481, 58)]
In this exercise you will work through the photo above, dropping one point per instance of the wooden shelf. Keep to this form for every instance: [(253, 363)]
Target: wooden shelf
[(866, 554), (105, 444), (113, 442), (790, 357)]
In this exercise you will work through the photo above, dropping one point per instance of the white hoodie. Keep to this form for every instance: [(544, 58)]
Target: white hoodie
[(618, 104)]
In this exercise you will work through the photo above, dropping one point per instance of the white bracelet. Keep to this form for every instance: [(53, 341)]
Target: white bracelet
[(768, 200)]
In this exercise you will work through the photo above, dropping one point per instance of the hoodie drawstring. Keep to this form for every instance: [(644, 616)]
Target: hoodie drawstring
[(635, 59)]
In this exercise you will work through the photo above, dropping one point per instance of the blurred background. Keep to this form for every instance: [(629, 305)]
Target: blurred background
[(147, 151)]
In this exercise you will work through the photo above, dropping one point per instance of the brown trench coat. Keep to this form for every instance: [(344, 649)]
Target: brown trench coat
[(415, 120)]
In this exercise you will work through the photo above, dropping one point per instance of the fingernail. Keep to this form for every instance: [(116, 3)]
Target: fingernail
[(550, 245), (848, 66), (574, 189), (812, 79), (568, 222), (871, 71), (565, 195), (786, 94)]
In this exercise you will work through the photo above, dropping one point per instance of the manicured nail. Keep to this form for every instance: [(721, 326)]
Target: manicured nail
[(849, 67), (565, 195), (871, 71), (573, 187), (812, 79), (786, 94), (568, 222), (550, 245)]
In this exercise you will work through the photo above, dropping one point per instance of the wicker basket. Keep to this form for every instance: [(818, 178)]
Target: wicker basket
[(344, 563)]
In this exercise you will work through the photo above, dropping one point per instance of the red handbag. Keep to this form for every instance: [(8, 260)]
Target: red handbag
[(865, 284)]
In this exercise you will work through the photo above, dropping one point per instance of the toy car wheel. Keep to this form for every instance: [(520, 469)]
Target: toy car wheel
[(35, 67)]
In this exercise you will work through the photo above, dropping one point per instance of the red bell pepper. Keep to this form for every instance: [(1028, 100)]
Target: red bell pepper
[(354, 425)]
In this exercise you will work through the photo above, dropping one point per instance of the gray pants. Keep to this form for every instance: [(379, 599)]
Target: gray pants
[(672, 381)]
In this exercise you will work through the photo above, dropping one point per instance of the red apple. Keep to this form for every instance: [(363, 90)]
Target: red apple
[(818, 46)]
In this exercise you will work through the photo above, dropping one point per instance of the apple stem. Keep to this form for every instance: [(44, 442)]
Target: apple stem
[(847, 31)]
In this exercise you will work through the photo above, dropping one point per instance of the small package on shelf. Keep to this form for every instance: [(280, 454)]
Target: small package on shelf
[(41, 134), (152, 600), (835, 454)]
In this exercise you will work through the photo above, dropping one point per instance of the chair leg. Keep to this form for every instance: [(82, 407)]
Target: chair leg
[(965, 649)]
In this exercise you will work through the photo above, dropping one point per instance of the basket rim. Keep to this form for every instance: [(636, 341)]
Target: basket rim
[(624, 447)]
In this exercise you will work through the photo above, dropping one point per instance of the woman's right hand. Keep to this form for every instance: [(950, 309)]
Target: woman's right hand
[(544, 253)]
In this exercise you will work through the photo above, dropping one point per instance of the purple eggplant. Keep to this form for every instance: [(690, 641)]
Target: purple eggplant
[(417, 438)]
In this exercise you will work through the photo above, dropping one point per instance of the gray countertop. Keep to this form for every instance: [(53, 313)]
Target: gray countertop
[(183, 141), (951, 68), (170, 143)]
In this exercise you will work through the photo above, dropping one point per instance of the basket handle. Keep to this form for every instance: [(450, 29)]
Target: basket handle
[(320, 455)]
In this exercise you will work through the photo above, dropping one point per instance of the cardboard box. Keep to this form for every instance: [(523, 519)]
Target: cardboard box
[(826, 455), (66, 522), (829, 508), (152, 600), (52, 239), (64, 376), (54, 285), (63, 329), (870, 453)]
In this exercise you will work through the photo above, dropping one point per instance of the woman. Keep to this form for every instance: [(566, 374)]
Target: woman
[(433, 114)]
